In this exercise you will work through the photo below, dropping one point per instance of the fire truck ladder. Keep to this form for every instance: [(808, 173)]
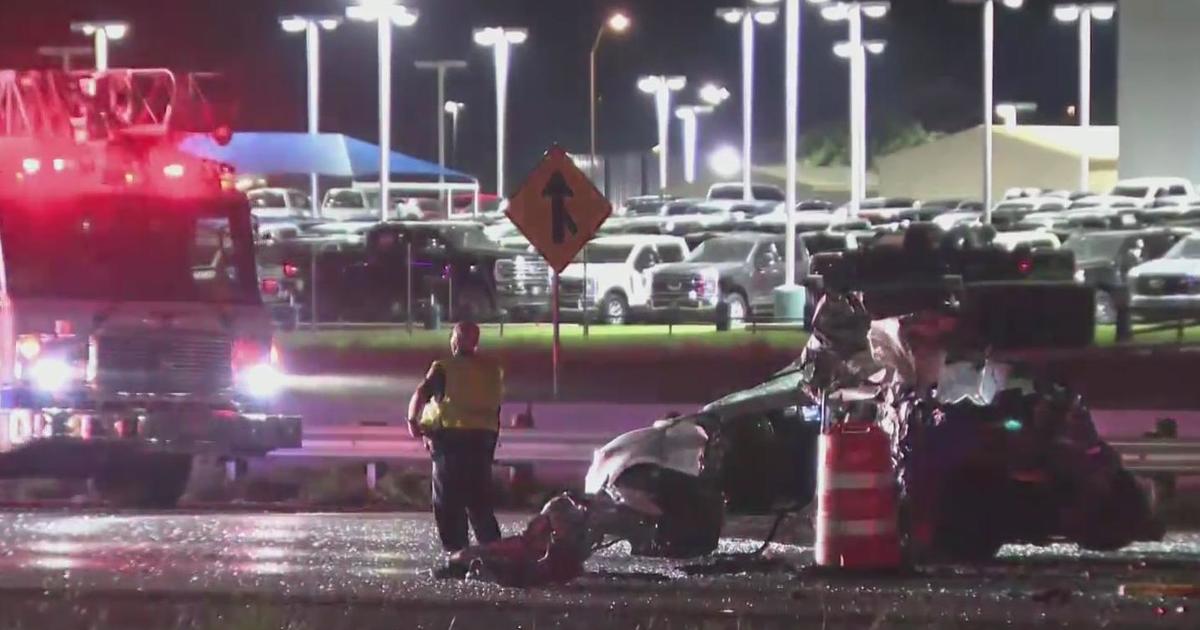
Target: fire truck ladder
[(87, 106)]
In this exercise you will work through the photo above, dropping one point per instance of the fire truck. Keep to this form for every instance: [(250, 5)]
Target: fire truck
[(132, 332)]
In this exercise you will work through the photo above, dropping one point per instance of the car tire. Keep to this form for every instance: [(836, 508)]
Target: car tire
[(614, 310), (1106, 308), (739, 310)]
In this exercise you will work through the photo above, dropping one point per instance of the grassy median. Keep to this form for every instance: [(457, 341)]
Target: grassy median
[(540, 336)]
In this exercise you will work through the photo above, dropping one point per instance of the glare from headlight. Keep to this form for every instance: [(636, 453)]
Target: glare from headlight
[(50, 375), (1080, 275), (262, 381)]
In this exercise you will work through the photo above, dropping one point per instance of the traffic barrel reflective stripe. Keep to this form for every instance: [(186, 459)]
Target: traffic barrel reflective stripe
[(856, 520)]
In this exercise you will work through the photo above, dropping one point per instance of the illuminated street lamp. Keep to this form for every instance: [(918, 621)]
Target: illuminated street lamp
[(713, 94), (1084, 14), (756, 12), (500, 40), (617, 23), (441, 66), (66, 53), (660, 86), (1007, 112), (102, 32), (690, 115), (385, 14), (311, 26), (856, 50), (989, 36), (454, 109)]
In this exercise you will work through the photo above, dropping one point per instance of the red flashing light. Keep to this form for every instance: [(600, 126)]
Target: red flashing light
[(270, 286), (248, 353), (290, 270), (1024, 266), (223, 135)]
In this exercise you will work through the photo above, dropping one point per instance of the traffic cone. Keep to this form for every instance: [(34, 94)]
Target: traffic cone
[(856, 521)]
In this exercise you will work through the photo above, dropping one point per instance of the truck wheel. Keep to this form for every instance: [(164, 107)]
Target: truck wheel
[(146, 480), (614, 310), (1106, 308), (737, 307)]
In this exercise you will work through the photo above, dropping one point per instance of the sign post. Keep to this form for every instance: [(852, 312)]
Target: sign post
[(559, 210)]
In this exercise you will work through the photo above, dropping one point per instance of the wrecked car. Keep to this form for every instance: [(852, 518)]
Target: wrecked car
[(984, 451)]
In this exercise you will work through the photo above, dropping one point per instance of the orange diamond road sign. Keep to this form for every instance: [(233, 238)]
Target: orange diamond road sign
[(558, 208)]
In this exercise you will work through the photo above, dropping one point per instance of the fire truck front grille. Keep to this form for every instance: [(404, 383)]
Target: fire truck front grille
[(163, 364)]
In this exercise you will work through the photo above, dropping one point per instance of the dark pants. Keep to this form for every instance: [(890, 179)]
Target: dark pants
[(462, 487)]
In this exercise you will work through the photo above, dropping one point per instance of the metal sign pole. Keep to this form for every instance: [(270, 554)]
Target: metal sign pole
[(555, 347), (312, 282), (408, 298), (585, 305)]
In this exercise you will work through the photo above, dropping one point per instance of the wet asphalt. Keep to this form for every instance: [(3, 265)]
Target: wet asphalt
[(200, 570)]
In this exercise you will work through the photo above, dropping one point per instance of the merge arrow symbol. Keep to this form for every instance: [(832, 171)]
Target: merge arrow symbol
[(560, 221)]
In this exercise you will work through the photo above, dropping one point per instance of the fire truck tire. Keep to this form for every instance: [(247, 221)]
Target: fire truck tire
[(148, 480)]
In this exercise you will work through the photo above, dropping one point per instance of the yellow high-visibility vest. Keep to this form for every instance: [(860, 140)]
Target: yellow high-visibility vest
[(474, 392)]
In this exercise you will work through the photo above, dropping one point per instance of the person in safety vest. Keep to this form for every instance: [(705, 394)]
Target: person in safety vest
[(456, 411)]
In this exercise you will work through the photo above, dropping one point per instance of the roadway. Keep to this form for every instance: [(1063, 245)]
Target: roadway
[(368, 570)]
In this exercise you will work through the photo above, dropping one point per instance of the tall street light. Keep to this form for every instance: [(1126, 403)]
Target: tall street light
[(756, 12), (791, 123), (102, 32), (500, 40), (385, 13), (66, 53), (989, 35), (617, 23), (311, 26), (453, 109), (1084, 14), (661, 86), (442, 66), (856, 49), (690, 115)]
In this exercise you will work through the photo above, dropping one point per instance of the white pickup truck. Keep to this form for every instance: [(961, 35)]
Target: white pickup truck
[(1146, 189), (616, 285)]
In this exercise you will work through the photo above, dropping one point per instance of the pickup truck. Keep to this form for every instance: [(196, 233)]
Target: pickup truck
[(1144, 190), (742, 270), (1103, 261), (453, 265), (613, 281), (279, 203), (355, 204)]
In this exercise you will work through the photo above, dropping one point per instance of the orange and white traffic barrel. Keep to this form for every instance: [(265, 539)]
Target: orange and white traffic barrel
[(856, 499)]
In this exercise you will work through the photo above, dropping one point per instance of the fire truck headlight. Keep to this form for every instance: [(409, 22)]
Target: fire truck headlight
[(263, 381), (51, 375)]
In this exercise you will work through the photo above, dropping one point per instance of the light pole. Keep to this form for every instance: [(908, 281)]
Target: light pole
[(311, 26), (66, 53), (454, 109), (989, 36), (747, 16), (1007, 112), (442, 66), (500, 40), (617, 23), (791, 122), (690, 115), (856, 49), (1084, 14), (661, 86), (385, 14), (102, 32)]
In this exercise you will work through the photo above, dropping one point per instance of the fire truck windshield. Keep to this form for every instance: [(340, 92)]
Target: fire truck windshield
[(124, 248)]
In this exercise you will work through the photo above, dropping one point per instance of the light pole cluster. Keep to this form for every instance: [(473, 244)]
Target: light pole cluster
[(855, 49), (617, 23), (1084, 14), (757, 12), (102, 32), (660, 86), (441, 66), (311, 26), (501, 40)]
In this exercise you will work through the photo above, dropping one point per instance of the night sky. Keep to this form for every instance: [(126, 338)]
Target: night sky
[(930, 70)]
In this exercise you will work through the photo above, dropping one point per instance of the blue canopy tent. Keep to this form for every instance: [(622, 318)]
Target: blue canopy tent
[(295, 153)]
